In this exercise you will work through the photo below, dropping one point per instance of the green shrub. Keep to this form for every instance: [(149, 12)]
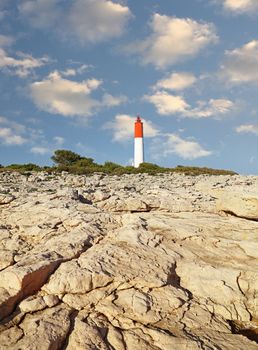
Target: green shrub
[(73, 163), (204, 170), (111, 168), (24, 167), (84, 162), (63, 157)]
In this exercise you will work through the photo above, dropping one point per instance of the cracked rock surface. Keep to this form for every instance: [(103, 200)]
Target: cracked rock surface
[(128, 262)]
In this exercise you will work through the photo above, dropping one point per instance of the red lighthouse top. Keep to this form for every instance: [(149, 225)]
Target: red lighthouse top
[(138, 127)]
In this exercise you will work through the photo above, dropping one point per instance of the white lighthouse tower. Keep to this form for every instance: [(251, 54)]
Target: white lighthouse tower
[(138, 143)]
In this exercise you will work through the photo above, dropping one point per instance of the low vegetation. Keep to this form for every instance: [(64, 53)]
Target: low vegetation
[(65, 160)]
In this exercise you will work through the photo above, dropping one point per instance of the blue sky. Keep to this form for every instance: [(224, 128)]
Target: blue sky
[(75, 73)]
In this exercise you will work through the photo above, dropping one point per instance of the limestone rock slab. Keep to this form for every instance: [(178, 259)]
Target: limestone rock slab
[(128, 262), (242, 204)]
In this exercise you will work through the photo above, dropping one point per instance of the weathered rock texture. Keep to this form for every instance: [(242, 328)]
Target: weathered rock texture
[(126, 263)]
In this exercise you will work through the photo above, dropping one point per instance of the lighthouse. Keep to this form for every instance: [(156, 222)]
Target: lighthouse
[(138, 143)]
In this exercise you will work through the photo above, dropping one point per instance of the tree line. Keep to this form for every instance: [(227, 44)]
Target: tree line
[(71, 162)]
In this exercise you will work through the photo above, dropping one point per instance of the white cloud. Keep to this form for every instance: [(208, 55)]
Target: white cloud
[(40, 13), (8, 137), (44, 147), (112, 101), (70, 98), (71, 72), (59, 141), (15, 134), (247, 128), (89, 21), (241, 64), (11, 133), (241, 6), (83, 68), (176, 81), (167, 104), (184, 148), (212, 108), (172, 40), (40, 150), (97, 20), (16, 127), (21, 66), (123, 127)]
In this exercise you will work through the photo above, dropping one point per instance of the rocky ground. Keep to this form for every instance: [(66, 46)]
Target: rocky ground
[(128, 262)]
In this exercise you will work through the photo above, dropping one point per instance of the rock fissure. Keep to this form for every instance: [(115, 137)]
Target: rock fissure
[(231, 213), (72, 317)]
